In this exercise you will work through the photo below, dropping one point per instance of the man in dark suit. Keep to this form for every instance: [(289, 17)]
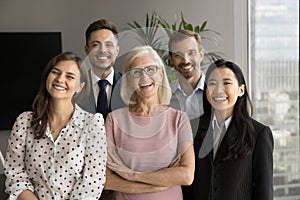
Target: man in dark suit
[(102, 50)]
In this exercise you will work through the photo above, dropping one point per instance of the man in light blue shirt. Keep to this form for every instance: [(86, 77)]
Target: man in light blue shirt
[(186, 54)]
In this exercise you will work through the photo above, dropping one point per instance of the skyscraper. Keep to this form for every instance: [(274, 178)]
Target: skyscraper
[(275, 78)]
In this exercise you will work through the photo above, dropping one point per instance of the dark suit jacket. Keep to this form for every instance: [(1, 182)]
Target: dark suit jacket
[(115, 102), (250, 178)]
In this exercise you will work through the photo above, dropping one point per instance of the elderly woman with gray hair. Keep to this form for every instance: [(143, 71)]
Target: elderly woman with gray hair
[(150, 145)]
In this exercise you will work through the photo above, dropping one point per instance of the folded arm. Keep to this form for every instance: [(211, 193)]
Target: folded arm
[(117, 183), (177, 175)]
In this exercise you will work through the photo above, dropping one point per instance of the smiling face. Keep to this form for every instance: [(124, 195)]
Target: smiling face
[(223, 90), (102, 49), (186, 57), (64, 80), (146, 86)]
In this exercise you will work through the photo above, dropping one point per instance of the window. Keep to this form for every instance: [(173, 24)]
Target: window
[(274, 59)]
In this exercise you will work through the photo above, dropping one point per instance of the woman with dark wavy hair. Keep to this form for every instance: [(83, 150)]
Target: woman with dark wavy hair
[(57, 151), (233, 151)]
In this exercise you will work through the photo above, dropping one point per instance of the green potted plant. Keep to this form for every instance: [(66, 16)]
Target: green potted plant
[(150, 34)]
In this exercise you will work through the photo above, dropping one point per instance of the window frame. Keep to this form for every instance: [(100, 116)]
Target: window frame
[(242, 39)]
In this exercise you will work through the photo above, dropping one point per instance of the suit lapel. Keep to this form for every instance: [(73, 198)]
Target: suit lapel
[(117, 77), (90, 104), (224, 146), (115, 94), (204, 139)]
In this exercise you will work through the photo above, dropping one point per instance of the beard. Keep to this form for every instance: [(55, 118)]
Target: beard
[(187, 73)]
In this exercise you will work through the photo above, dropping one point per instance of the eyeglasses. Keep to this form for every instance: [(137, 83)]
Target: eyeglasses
[(149, 70)]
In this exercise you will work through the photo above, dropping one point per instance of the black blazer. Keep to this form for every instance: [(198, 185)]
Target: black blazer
[(250, 178), (115, 101)]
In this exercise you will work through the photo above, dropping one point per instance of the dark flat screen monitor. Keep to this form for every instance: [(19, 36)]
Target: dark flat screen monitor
[(24, 56)]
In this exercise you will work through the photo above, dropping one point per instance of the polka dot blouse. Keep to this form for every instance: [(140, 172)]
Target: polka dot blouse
[(71, 167)]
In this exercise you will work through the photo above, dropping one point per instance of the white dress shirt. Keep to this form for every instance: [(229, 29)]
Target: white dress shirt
[(219, 131), (96, 89), (191, 104)]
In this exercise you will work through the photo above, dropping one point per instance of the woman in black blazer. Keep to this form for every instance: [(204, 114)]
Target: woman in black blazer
[(237, 163)]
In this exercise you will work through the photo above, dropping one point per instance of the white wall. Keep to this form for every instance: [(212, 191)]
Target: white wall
[(71, 17)]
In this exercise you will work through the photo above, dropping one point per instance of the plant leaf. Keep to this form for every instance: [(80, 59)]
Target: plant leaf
[(188, 27), (203, 25), (197, 29), (148, 35), (182, 19), (147, 20)]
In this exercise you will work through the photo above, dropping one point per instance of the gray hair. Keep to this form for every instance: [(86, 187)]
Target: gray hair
[(128, 94)]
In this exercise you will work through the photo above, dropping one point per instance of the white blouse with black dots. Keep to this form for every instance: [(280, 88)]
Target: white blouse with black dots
[(71, 167)]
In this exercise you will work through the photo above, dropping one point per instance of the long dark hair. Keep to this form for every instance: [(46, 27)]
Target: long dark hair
[(40, 105), (241, 144)]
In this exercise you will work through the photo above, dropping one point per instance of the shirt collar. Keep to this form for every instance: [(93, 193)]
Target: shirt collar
[(109, 78), (76, 119), (201, 82), (175, 85), (226, 123), (200, 86)]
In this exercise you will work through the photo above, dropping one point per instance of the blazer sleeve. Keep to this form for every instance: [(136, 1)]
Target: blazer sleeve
[(263, 165)]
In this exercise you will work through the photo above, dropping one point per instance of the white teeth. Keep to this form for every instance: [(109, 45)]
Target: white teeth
[(220, 98), (145, 84), (59, 87), (187, 67), (102, 57)]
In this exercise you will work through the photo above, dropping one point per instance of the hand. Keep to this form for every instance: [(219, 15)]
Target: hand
[(27, 195)]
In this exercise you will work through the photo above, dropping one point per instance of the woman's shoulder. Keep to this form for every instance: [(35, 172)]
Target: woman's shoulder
[(23, 119), (120, 110), (175, 116), (119, 113), (175, 111), (25, 115), (260, 128), (258, 125), (83, 115)]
